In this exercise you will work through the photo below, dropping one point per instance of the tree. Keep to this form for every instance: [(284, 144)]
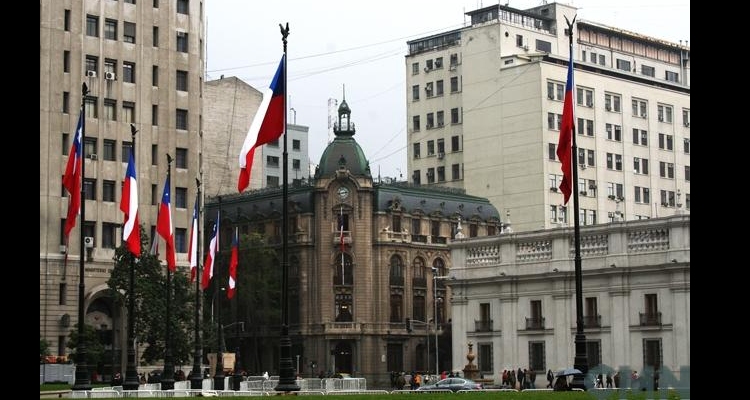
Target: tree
[(43, 348), (94, 346), (150, 302)]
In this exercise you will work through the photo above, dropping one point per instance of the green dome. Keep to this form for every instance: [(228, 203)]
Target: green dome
[(343, 151)]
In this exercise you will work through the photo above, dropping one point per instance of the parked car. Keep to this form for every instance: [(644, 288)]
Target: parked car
[(453, 384)]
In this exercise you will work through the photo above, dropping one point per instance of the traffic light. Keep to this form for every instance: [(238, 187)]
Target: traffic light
[(408, 324)]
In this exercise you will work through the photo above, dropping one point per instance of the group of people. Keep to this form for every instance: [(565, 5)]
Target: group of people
[(520, 379)]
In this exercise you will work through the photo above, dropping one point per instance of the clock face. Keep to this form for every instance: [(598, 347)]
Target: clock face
[(343, 192)]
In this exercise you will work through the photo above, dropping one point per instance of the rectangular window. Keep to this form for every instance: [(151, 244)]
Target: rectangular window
[(272, 181), (415, 93), (182, 42), (648, 71), (455, 172), (181, 117), (454, 143), (454, 84), (612, 102), (154, 201), (441, 174), (439, 88), (89, 147), (128, 35), (416, 177), (440, 117), (687, 173), (110, 107), (180, 198), (585, 97), (90, 107), (66, 61), (415, 68), (154, 154), (63, 297), (416, 147), (623, 65), (640, 165), (686, 118), (180, 240), (66, 26), (92, 65), (110, 29), (671, 76), (664, 113), (109, 235), (454, 116), (125, 151), (537, 361), (66, 103), (296, 145), (182, 80), (65, 143), (551, 151), (154, 115), (430, 147), (431, 175), (128, 72), (155, 37), (272, 161), (128, 112), (108, 191), (92, 25), (109, 150), (183, 6), (154, 75), (415, 123), (181, 158), (89, 189), (484, 360), (296, 164)]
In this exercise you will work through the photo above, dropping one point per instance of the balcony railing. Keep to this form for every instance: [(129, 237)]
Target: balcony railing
[(396, 280), (419, 238), (419, 282), (592, 321), (483, 326), (650, 319), (534, 323)]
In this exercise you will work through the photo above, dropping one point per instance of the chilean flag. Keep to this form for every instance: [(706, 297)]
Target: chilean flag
[(164, 226), (72, 178), (268, 123), (131, 233), (564, 144), (193, 245), (208, 265), (233, 261)]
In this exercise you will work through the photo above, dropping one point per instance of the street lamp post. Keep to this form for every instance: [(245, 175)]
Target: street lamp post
[(435, 278)]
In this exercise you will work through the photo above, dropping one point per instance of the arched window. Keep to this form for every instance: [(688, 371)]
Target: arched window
[(397, 271), (343, 275)]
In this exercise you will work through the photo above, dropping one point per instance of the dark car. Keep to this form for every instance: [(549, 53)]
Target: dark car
[(453, 384)]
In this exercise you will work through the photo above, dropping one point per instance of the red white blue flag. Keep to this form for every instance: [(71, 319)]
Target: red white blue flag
[(72, 177), (131, 233), (164, 226), (233, 261), (268, 123), (208, 265), (565, 141), (193, 245)]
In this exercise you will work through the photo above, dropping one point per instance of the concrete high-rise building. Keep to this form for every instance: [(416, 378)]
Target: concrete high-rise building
[(143, 64), (484, 105), (230, 107)]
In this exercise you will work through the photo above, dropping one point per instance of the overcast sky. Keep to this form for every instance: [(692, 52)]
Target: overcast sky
[(360, 46)]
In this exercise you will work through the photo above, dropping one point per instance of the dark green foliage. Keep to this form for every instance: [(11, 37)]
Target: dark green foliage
[(150, 288), (94, 346)]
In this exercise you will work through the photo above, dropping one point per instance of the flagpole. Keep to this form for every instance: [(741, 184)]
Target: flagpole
[(82, 382), (287, 382), (196, 376), (219, 372), (580, 361), (131, 374), (167, 380)]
